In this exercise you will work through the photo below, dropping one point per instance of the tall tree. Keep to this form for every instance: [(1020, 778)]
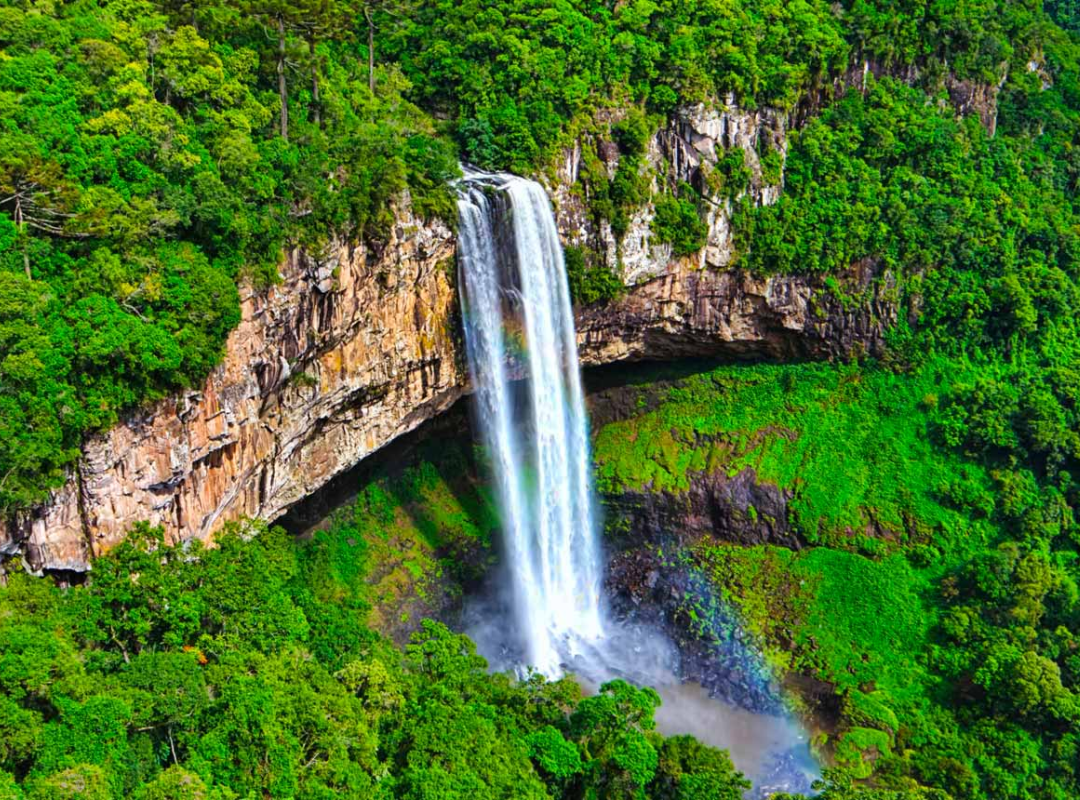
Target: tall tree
[(36, 196), (387, 11), (322, 20), (279, 18), (370, 46)]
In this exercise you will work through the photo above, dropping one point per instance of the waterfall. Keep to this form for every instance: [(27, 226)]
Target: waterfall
[(519, 324)]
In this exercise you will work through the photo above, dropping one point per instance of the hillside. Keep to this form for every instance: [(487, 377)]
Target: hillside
[(229, 273)]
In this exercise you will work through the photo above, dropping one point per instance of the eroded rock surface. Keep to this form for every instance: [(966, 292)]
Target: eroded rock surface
[(355, 348), (735, 508), (351, 350), (684, 151), (692, 312)]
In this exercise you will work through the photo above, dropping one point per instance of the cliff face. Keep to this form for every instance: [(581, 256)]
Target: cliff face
[(348, 352), (685, 151), (698, 305), (734, 508), (355, 348), (687, 312)]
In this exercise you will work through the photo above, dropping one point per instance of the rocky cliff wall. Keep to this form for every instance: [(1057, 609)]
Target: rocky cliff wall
[(348, 352), (686, 150), (355, 348)]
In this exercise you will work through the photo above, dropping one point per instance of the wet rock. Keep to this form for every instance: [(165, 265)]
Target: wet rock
[(713, 649), (734, 508), (788, 772)]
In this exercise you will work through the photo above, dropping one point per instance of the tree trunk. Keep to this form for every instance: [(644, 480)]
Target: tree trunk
[(282, 88), (20, 226), (317, 111), (370, 48)]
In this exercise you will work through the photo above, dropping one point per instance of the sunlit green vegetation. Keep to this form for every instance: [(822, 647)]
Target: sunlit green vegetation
[(248, 670), (852, 445), (417, 538), (515, 75), (156, 154), (940, 598), (590, 281)]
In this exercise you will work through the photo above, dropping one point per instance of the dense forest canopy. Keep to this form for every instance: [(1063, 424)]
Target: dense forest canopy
[(155, 155), (158, 157), (247, 671)]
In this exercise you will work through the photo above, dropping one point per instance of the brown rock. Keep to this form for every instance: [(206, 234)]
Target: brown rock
[(348, 352), (690, 312)]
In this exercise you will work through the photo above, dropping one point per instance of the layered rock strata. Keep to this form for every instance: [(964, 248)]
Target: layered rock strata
[(350, 350), (356, 347)]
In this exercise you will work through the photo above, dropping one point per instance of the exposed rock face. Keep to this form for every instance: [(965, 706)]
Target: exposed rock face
[(734, 509), (645, 588), (689, 312), (697, 305), (355, 348), (350, 351), (686, 151)]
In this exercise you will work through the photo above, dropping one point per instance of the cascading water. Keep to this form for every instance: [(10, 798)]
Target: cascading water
[(519, 324), (519, 332)]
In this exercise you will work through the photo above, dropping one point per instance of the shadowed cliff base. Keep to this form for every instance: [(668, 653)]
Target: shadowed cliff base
[(257, 441)]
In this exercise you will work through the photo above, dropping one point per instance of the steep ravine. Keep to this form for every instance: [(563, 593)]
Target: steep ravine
[(356, 347)]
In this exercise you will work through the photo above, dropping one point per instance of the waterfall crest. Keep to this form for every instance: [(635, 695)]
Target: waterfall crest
[(519, 324)]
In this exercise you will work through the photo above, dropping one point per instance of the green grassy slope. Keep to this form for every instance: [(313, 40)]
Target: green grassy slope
[(852, 444), (942, 638)]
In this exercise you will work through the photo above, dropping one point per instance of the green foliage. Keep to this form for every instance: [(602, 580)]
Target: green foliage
[(984, 235), (837, 616), (941, 601), (689, 770), (206, 674), (731, 175), (176, 783), (678, 223), (981, 233), (516, 78), (9, 789), (557, 759), (858, 748), (627, 191), (632, 132), (1065, 13), (154, 156), (615, 731), (82, 782), (590, 282), (408, 539)]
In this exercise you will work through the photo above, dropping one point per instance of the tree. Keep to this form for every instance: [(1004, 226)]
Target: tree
[(690, 770), (387, 10), (614, 729), (282, 17), (35, 194), (177, 783), (80, 782)]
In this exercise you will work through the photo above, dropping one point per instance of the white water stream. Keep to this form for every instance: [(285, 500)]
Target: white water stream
[(519, 323), (530, 412)]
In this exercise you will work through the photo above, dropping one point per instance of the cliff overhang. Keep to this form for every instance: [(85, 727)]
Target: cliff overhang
[(355, 348)]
